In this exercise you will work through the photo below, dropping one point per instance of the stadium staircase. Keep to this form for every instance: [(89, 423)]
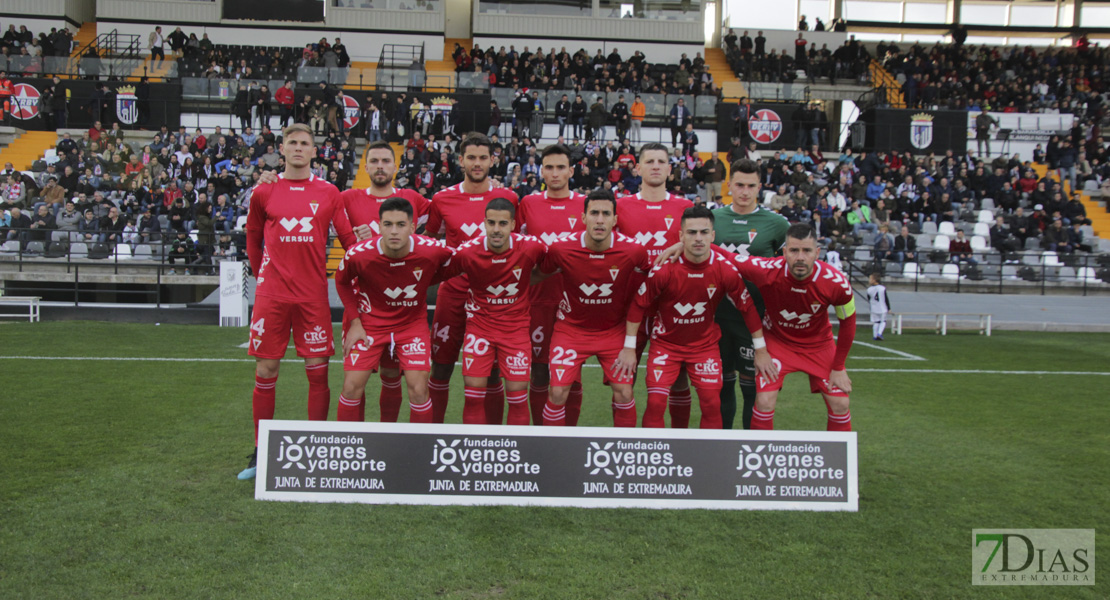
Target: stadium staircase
[(362, 182), (441, 73), (722, 73), (84, 36), (148, 68), (1097, 211), (880, 77), (362, 73), (27, 148)]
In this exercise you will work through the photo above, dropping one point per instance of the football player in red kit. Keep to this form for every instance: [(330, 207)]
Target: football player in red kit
[(798, 290), (652, 218), (385, 281), (600, 271), (457, 214), (685, 294), (287, 237), (499, 267), (549, 215)]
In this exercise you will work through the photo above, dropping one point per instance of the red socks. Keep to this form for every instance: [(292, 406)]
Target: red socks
[(680, 408), (262, 401), (319, 395), (390, 399), (438, 391), (351, 409), (574, 403), (656, 406), (554, 415), (474, 406), (763, 420), (840, 422), (624, 415), (518, 407), (495, 404), (421, 413), (537, 399)]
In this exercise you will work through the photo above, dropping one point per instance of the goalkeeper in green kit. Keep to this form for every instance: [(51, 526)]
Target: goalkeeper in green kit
[(744, 227)]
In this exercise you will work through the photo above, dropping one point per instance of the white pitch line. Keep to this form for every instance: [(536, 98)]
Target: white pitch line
[(297, 360), (903, 355)]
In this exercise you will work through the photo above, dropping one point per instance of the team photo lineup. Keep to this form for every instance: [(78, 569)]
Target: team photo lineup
[(531, 288)]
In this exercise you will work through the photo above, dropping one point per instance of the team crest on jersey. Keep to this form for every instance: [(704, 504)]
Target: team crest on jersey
[(559, 373), (417, 272), (517, 271), (314, 206), (256, 342), (658, 373), (468, 361), (573, 222), (751, 235), (712, 289), (815, 307), (668, 220), (614, 272)]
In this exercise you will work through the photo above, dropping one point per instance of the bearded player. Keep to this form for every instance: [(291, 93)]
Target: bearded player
[(458, 213), (287, 237), (745, 228), (548, 215), (684, 294), (384, 282), (652, 217), (600, 271), (499, 266)]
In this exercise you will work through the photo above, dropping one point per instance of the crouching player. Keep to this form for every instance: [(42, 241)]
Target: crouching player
[(385, 281), (685, 293), (600, 271)]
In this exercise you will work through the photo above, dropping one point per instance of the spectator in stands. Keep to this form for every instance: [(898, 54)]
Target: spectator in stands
[(859, 217), (285, 100), (679, 117), (42, 223), (959, 250), (184, 250), (595, 129), (148, 227), (905, 247), (111, 227), (1057, 239), (883, 248), (1001, 238)]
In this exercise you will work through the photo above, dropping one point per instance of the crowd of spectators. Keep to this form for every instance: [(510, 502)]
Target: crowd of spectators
[(751, 61), (581, 72), (22, 43)]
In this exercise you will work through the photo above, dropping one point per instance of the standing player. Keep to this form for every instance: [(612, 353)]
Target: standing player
[(458, 213), (292, 218), (652, 217), (684, 294), (547, 216), (384, 282), (600, 271), (880, 305), (499, 265), (798, 290), (744, 228)]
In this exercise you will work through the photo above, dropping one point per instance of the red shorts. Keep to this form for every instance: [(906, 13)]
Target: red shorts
[(272, 320), (509, 350), (448, 325), (571, 346), (815, 362), (541, 329), (388, 361), (389, 347), (665, 361)]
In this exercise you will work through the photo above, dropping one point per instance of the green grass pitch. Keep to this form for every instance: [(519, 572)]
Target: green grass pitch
[(117, 479)]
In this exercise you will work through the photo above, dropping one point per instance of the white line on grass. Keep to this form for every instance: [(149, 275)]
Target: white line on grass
[(296, 360)]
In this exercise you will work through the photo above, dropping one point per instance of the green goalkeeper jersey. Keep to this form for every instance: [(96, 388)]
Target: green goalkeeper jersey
[(760, 233)]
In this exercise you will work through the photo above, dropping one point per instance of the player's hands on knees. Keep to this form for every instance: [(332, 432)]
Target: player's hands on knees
[(268, 177), (669, 255), (355, 334), (626, 363), (840, 379), (363, 232), (765, 365)]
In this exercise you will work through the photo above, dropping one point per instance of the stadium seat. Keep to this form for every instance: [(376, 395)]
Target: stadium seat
[(143, 251), (78, 250), (947, 228), (1031, 259), (241, 222), (1065, 274), (950, 271), (1090, 185), (930, 270), (1032, 243), (1049, 259), (122, 252), (986, 216), (1010, 272), (941, 242), (10, 247), (1087, 274), (910, 271), (983, 229), (987, 204), (979, 242), (862, 255), (929, 227), (34, 248)]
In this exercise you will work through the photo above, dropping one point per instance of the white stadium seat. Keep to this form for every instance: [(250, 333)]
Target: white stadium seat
[(1049, 259), (986, 216), (979, 242), (950, 271), (947, 228), (941, 242), (983, 229)]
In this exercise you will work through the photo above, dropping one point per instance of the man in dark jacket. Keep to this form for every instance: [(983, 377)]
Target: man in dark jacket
[(620, 116)]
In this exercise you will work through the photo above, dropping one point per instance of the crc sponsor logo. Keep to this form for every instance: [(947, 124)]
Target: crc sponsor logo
[(709, 367), (409, 292), (319, 335), (482, 456), (289, 223), (1033, 557), (635, 459), (518, 361), (786, 462), (333, 453), (416, 346)]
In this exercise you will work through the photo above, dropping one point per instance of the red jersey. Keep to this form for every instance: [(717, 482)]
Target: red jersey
[(797, 311), (460, 217), (498, 282), (685, 296), (654, 224), (293, 217), (548, 219), (596, 285), (363, 207), (390, 292)]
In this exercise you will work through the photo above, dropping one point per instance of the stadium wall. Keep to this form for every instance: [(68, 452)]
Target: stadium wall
[(656, 52), (782, 40), (56, 12)]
